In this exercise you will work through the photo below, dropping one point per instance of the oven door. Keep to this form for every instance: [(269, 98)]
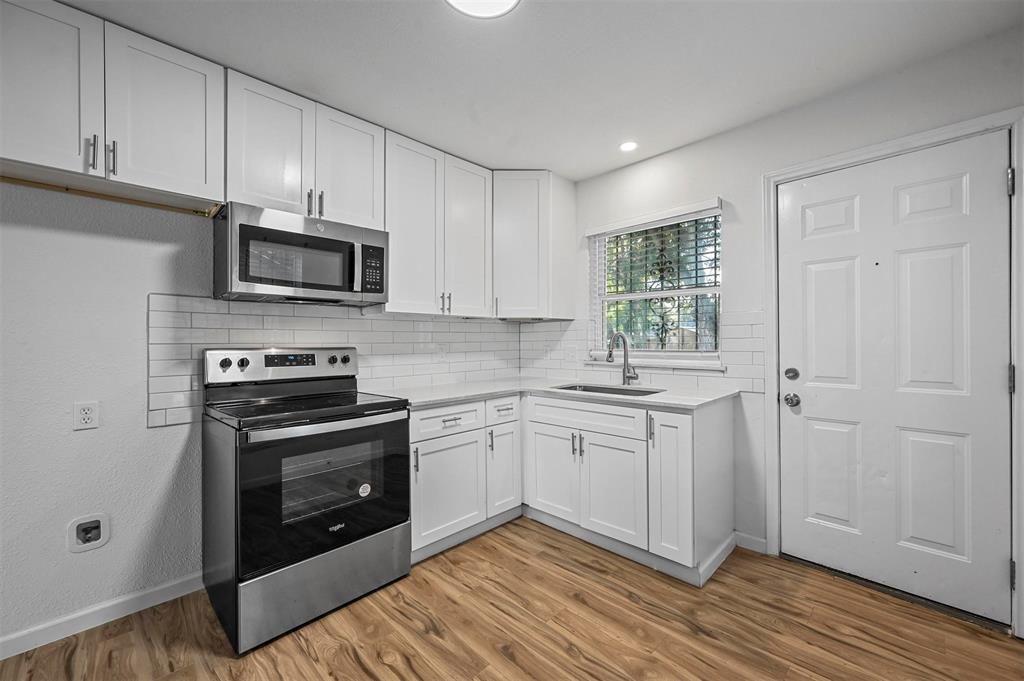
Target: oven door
[(280, 255), (304, 490)]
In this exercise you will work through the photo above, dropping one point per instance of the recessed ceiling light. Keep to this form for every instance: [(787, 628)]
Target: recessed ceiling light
[(629, 145), (484, 9)]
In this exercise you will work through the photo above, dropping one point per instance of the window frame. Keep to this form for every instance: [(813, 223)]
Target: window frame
[(708, 360)]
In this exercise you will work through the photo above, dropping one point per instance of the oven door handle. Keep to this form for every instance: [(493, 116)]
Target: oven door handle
[(272, 434)]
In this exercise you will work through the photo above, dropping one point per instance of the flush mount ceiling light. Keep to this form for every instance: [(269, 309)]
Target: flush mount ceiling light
[(628, 145), (484, 9)]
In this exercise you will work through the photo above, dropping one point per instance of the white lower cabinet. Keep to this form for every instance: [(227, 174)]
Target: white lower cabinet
[(552, 471), (670, 486), (613, 487), (504, 468), (449, 486)]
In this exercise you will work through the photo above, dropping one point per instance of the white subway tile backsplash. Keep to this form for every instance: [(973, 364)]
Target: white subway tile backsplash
[(394, 350)]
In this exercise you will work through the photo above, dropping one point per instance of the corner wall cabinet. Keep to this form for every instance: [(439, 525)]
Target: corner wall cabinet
[(437, 205), (85, 100), (534, 245)]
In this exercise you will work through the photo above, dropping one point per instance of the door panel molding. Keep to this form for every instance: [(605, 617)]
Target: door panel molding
[(1012, 121)]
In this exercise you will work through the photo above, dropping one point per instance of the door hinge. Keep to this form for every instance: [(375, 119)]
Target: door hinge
[(1013, 575), (1013, 378), (1011, 180)]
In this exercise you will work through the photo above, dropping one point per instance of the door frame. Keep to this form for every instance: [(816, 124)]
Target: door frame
[(1011, 120)]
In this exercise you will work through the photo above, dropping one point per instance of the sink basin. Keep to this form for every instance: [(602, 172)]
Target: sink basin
[(611, 389)]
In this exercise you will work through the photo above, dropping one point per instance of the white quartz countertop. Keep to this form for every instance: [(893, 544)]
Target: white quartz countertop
[(439, 395)]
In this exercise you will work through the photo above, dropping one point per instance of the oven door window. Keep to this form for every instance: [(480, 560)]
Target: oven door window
[(280, 258), (302, 496)]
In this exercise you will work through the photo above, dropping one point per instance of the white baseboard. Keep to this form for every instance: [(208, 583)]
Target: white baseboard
[(718, 556), (747, 541), (95, 615)]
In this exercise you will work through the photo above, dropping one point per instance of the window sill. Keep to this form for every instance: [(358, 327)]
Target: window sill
[(657, 360)]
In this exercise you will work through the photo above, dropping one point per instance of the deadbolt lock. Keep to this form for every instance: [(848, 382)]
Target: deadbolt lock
[(792, 373)]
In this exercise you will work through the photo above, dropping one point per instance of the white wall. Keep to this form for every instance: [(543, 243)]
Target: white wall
[(74, 274), (975, 80)]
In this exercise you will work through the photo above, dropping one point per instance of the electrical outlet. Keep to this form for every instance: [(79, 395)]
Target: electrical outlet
[(86, 416)]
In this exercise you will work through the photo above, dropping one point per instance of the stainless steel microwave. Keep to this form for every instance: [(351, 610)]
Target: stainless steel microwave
[(269, 255)]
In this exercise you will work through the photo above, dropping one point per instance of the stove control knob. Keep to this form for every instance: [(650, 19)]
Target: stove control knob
[(243, 363), (332, 360), (225, 364), (345, 359)]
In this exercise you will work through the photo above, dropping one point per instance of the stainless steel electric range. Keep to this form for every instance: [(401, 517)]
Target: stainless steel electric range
[(305, 488)]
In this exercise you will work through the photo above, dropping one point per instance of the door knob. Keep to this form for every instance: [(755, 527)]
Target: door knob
[(791, 400)]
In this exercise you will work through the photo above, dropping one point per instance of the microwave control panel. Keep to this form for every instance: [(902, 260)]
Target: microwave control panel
[(373, 269)]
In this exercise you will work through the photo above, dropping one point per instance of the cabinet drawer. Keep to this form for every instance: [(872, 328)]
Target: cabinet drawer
[(455, 418), (600, 418), (503, 410)]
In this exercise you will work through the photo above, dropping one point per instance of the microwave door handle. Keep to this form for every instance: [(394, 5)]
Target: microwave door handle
[(357, 283), (320, 428)]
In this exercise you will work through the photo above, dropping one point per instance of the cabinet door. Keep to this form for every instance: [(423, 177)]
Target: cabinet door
[(449, 486), (671, 486), (271, 146), (467, 238), (51, 77), (522, 224), (552, 471), (349, 169), (613, 489), (165, 116), (504, 468), (415, 219)]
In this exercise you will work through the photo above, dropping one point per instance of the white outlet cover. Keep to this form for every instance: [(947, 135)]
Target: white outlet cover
[(75, 546), (85, 416)]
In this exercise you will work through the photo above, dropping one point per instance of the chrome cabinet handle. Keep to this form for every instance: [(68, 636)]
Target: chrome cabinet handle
[(450, 419), (416, 459), (113, 157), (95, 152), (505, 407), (650, 427), (495, 306), (581, 446), (574, 445), (442, 302), (792, 400), (320, 203), (490, 435), (309, 203), (449, 302)]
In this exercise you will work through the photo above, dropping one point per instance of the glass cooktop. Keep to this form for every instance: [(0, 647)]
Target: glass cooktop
[(247, 414)]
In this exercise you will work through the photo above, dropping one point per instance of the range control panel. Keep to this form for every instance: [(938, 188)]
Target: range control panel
[(373, 269), (276, 364)]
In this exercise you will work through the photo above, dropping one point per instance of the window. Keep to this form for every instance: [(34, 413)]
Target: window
[(660, 286)]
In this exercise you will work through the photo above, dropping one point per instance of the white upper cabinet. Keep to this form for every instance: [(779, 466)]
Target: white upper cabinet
[(349, 169), (468, 232), (415, 221), (534, 245), (165, 117), (271, 146), (51, 80)]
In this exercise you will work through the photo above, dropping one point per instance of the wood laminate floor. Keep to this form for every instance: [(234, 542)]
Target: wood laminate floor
[(525, 601)]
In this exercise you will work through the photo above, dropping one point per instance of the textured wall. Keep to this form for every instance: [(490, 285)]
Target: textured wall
[(74, 274)]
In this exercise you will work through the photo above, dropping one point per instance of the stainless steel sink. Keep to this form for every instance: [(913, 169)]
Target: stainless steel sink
[(610, 389)]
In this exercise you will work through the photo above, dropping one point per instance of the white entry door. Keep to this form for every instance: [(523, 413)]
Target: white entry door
[(894, 299)]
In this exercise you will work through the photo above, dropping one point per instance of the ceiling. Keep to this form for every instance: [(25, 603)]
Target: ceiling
[(559, 84)]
